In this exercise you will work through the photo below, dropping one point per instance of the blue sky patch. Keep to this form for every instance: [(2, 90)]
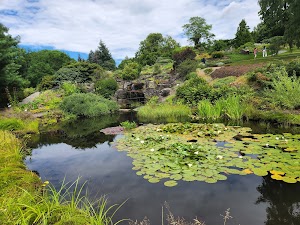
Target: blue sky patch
[(9, 12)]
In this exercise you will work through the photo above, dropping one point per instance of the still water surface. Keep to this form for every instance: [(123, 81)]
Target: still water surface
[(80, 150)]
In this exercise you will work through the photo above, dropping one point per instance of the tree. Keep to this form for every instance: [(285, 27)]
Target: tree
[(154, 46), (10, 61), (282, 18), (44, 63), (274, 15), (243, 34), (198, 31), (102, 57), (80, 72)]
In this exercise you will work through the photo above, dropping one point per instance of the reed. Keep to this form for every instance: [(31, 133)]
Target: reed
[(164, 112), (224, 108)]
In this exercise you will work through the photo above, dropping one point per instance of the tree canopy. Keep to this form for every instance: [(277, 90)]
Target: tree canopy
[(154, 46), (198, 31), (243, 34), (11, 58), (102, 57), (282, 18)]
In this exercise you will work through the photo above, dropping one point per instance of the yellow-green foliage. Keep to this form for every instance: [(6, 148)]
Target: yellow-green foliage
[(164, 112), (15, 124), (14, 176), (46, 101)]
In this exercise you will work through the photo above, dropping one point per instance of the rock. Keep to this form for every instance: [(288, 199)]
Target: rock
[(151, 84), (165, 92), (120, 94), (30, 98)]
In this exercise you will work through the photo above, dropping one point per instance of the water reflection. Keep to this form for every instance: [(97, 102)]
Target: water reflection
[(283, 200), (80, 134), (253, 200)]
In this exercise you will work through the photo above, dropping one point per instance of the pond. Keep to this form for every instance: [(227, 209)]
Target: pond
[(79, 149)]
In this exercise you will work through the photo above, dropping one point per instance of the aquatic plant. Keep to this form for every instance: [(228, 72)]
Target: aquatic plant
[(164, 112), (209, 152), (128, 125)]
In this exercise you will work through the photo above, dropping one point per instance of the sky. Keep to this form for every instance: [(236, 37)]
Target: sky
[(77, 26)]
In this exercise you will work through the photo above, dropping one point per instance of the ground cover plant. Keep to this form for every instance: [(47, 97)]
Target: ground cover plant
[(210, 153)]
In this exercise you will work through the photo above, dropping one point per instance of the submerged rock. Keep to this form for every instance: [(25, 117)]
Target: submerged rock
[(113, 130)]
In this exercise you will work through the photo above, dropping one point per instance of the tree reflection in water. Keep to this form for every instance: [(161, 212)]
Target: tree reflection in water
[(283, 199)]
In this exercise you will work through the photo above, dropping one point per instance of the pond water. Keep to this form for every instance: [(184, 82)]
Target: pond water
[(79, 149)]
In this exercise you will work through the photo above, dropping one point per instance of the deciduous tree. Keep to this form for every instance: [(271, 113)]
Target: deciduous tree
[(198, 31)]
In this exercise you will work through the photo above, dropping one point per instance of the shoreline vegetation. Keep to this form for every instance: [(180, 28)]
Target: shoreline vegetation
[(209, 82), (25, 199)]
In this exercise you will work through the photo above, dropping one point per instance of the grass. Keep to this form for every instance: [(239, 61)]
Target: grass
[(19, 125), (240, 59), (164, 112), (224, 108), (25, 200)]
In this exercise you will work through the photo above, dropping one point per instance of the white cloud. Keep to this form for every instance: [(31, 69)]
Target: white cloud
[(78, 25)]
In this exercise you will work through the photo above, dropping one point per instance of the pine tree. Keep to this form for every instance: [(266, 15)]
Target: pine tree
[(243, 34), (102, 57)]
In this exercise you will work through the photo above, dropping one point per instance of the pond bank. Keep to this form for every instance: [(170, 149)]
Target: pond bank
[(24, 199)]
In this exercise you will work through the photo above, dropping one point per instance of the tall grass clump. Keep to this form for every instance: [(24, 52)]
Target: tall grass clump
[(88, 105), (13, 177), (164, 112), (208, 111), (230, 107), (67, 205), (18, 125), (285, 90), (233, 107), (11, 124)]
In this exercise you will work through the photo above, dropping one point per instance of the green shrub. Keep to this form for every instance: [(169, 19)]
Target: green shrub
[(182, 54), (88, 105), (48, 82), (194, 90), (219, 82), (156, 69), (69, 88), (28, 91), (186, 67), (217, 55), (106, 87), (131, 71), (293, 68), (285, 90)]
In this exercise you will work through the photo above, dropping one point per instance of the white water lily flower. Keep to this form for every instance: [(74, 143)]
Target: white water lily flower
[(190, 164), (267, 145), (219, 131), (240, 157), (196, 153), (219, 157), (142, 142), (277, 138), (137, 139), (152, 149), (158, 129)]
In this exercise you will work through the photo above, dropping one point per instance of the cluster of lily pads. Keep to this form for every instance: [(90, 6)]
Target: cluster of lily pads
[(210, 152)]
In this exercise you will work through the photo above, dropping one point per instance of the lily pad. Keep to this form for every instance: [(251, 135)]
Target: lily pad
[(170, 183)]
